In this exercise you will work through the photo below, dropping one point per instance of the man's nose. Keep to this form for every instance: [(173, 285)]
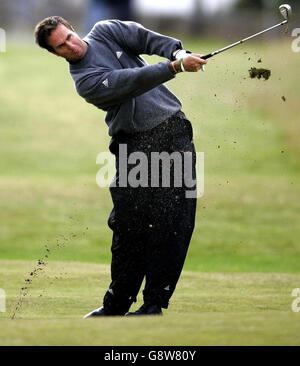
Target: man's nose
[(69, 45)]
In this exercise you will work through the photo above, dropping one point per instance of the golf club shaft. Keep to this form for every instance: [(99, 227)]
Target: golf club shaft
[(205, 57)]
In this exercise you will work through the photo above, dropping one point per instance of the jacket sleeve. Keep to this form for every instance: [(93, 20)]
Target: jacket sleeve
[(138, 39), (107, 87)]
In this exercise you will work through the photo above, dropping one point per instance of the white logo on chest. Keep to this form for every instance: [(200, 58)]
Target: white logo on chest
[(119, 54), (105, 83)]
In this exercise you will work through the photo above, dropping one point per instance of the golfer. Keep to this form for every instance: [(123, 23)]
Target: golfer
[(152, 223)]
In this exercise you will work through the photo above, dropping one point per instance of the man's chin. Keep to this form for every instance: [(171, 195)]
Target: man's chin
[(73, 59)]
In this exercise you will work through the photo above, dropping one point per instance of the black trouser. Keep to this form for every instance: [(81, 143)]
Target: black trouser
[(152, 226)]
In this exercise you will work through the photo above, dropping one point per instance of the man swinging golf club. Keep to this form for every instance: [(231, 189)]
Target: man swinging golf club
[(152, 226)]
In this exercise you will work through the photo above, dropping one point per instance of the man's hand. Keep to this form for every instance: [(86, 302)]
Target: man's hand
[(191, 63)]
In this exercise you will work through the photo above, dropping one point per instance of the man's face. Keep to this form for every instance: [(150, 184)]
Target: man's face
[(66, 43)]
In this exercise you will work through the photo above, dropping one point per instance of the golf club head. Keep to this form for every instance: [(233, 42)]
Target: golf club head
[(286, 11)]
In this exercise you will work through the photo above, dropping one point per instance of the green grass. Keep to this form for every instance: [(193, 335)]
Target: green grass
[(244, 256), (207, 309)]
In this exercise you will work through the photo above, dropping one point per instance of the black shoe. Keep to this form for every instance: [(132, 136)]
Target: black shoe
[(97, 312), (147, 310)]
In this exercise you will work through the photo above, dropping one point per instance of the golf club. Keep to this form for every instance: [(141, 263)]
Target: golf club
[(286, 12)]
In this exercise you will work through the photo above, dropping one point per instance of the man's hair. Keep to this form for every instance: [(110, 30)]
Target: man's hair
[(44, 28)]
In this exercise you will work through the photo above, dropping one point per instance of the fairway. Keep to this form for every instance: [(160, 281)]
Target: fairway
[(243, 261), (207, 309)]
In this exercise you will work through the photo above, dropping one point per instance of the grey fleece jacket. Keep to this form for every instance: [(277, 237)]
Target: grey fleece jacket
[(115, 78)]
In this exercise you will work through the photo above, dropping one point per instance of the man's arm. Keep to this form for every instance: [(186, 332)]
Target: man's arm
[(138, 39), (108, 87)]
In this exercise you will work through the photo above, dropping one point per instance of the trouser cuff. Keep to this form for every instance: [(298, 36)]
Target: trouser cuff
[(115, 304), (156, 300)]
